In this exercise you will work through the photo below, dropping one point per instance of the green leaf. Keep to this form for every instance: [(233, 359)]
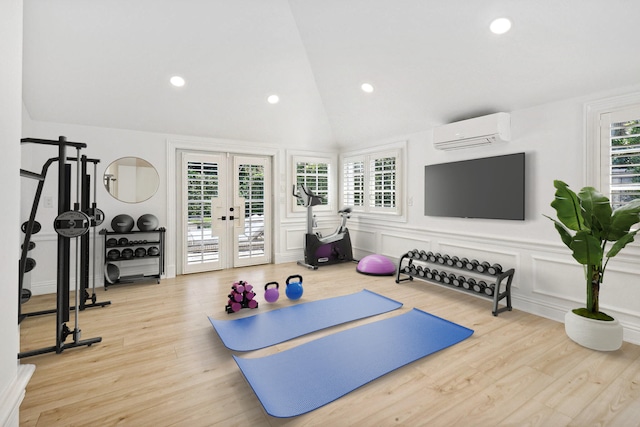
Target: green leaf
[(623, 218), (567, 206), (621, 243), (596, 211), (586, 248), (564, 233)]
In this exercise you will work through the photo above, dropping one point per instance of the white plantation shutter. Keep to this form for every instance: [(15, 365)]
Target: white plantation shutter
[(315, 173), (353, 182), (621, 155), (382, 183), (370, 182)]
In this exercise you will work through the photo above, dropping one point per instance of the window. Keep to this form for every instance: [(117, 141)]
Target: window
[(624, 140), (370, 181), (315, 174), (620, 155)]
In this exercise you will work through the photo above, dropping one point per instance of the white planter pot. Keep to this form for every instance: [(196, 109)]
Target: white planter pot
[(594, 334)]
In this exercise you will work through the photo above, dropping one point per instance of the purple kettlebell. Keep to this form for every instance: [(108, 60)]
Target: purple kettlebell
[(271, 294)]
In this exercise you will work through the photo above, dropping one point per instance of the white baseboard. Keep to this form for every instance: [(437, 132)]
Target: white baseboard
[(555, 312), (13, 396)]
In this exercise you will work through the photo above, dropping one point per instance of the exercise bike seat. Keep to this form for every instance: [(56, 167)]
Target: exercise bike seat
[(346, 210)]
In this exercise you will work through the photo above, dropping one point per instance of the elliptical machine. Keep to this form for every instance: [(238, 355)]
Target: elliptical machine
[(323, 250)]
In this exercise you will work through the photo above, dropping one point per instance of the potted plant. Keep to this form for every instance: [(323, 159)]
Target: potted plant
[(587, 223)]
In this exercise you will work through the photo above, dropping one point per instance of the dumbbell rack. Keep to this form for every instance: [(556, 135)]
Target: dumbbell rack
[(421, 264)]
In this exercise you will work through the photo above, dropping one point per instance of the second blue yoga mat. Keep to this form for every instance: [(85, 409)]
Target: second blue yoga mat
[(276, 326), (304, 378)]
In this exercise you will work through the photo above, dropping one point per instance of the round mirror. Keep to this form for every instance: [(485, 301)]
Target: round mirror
[(131, 179)]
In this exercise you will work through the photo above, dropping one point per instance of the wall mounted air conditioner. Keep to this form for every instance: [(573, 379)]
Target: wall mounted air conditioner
[(473, 132)]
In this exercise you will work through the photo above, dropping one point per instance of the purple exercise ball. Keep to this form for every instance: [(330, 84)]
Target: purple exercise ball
[(376, 265)]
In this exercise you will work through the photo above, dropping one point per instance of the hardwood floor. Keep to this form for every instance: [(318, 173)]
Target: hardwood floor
[(160, 363)]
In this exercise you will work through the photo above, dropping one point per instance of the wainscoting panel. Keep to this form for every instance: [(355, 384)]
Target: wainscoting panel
[(394, 245)]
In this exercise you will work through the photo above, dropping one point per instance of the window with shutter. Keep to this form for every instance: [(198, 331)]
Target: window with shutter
[(370, 181), (624, 166), (619, 155), (315, 173)]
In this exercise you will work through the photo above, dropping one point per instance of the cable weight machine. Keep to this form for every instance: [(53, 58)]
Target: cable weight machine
[(68, 224)]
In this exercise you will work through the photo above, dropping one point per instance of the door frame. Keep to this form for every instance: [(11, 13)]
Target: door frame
[(174, 148)]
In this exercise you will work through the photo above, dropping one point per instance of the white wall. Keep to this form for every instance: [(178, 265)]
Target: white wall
[(13, 377), (547, 282)]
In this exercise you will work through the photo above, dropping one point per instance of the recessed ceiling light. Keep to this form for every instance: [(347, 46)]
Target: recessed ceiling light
[(366, 87), (177, 81), (500, 26), (273, 99)]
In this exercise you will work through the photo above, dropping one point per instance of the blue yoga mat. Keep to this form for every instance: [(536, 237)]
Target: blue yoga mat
[(306, 377), (276, 326)]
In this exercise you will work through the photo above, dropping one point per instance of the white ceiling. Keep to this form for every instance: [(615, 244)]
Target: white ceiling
[(107, 63)]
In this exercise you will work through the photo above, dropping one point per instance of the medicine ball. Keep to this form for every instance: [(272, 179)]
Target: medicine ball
[(122, 223), (112, 241), (113, 254), (147, 222), (140, 252), (127, 253), (153, 251), (123, 241)]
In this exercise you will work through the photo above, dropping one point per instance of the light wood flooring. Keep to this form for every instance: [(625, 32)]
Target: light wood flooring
[(160, 362)]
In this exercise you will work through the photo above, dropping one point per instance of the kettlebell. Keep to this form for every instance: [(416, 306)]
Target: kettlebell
[(271, 294), (294, 289)]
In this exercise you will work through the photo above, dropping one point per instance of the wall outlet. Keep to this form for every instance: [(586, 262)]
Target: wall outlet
[(47, 201), (410, 201)]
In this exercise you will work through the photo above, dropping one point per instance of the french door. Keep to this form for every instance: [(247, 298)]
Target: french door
[(226, 211)]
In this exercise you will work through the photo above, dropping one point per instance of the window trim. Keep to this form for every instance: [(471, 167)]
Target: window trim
[(593, 111), (395, 149), (311, 157)]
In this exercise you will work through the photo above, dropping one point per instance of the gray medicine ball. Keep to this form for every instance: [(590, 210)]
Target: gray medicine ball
[(122, 223), (147, 222)]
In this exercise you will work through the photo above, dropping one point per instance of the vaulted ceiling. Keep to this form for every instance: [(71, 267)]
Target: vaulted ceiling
[(108, 63)]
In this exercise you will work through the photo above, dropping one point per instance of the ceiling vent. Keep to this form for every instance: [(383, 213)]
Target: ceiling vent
[(473, 132)]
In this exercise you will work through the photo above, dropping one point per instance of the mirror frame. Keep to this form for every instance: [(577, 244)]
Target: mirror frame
[(141, 177)]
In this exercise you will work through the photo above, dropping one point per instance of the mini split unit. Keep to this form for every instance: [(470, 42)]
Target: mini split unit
[(473, 132)]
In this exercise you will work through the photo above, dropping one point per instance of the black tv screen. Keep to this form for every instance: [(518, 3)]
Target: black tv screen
[(491, 187)]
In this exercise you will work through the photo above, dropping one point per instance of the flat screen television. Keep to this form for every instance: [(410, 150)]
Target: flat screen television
[(490, 187)]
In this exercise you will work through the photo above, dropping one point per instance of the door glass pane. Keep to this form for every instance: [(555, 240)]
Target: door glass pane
[(251, 189), (202, 187)]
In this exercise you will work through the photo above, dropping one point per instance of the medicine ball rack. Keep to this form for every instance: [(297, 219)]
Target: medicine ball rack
[(127, 242), (421, 264), (69, 223)]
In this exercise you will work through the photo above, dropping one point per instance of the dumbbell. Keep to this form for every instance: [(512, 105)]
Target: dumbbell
[(238, 287), (483, 266), (233, 306), (458, 281), (479, 287), (469, 283), (472, 265), (495, 269)]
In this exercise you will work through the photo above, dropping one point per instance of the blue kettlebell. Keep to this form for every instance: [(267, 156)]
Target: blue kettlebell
[(294, 289), (271, 294)]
